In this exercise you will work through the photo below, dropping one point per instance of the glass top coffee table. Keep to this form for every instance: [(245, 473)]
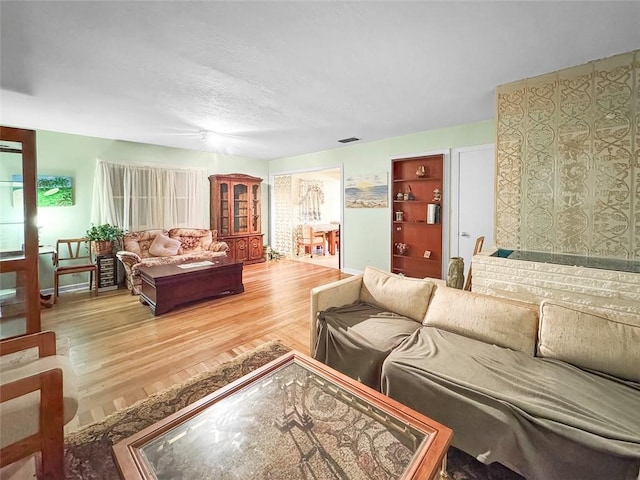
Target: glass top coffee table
[(294, 418)]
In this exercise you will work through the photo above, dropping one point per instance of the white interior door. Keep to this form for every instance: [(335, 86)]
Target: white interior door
[(474, 199)]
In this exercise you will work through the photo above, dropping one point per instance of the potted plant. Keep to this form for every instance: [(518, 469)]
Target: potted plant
[(103, 236)]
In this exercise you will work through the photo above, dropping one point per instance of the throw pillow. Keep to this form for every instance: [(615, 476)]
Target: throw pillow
[(132, 246), (192, 239), (589, 340), (164, 246), (491, 320), (402, 295)]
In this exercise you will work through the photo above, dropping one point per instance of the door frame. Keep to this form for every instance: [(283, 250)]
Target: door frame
[(455, 192), (272, 216)]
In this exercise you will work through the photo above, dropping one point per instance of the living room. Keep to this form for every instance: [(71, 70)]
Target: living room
[(102, 329)]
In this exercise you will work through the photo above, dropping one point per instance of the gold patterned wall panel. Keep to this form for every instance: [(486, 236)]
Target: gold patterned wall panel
[(538, 179), (612, 150), (568, 160), (636, 156), (510, 163), (573, 160)]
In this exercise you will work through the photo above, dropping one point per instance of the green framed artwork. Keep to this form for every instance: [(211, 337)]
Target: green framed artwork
[(52, 190)]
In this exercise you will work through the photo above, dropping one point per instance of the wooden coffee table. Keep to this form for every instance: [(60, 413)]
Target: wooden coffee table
[(292, 418), (166, 286)]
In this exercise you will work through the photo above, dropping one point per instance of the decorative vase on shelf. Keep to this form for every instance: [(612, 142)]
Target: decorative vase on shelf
[(402, 248), (421, 172), (409, 194), (455, 273), (399, 196)]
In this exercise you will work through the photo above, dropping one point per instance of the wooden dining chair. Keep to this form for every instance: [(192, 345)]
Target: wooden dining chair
[(476, 250), (336, 236), (309, 239), (73, 255)]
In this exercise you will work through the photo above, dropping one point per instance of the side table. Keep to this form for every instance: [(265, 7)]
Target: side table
[(107, 272)]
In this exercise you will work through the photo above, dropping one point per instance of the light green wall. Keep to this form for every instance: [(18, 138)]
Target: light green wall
[(366, 232), (75, 156)]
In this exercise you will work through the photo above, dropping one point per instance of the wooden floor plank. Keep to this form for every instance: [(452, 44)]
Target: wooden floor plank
[(122, 353)]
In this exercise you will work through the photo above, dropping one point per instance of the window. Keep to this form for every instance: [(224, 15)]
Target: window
[(141, 197)]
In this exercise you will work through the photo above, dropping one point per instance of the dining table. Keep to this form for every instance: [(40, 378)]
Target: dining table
[(331, 230)]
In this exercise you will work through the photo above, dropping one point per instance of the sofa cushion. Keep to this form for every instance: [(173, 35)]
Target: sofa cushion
[(175, 259), (490, 320), (588, 340), (132, 246), (192, 239), (402, 295), (544, 418), (164, 246), (139, 242)]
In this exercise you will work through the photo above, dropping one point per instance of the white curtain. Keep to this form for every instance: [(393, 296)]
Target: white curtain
[(311, 197), (142, 197)]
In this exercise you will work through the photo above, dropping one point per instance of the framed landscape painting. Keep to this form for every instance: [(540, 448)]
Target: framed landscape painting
[(366, 191), (52, 190)]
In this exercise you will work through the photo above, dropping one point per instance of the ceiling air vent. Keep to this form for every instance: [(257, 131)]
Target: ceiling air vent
[(349, 140)]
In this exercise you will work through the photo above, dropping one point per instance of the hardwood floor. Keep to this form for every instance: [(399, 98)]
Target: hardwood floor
[(122, 353)]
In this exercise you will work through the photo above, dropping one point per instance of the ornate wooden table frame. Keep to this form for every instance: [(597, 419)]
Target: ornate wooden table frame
[(297, 386)]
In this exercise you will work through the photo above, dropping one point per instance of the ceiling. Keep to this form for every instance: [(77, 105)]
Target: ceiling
[(275, 79)]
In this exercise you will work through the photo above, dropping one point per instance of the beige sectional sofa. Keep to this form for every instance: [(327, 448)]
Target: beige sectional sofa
[(547, 390), (161, 247)]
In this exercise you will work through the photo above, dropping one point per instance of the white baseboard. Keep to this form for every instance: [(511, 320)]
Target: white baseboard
[(66, 288)]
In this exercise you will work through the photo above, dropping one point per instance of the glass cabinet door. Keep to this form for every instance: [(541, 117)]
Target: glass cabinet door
[(19, 292), (12, 213), (255, 209), (224, 227), (240, 208)]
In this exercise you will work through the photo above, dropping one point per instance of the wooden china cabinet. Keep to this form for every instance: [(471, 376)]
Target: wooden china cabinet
[(236, 214), (19, 291), (416, 217)]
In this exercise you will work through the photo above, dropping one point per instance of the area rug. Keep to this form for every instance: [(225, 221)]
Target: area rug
[(88, 452)]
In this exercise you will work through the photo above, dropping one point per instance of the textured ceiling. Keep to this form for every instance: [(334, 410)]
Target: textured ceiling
[(275, 79)]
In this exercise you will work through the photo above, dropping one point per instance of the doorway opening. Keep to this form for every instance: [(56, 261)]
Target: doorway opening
[(304, 199)]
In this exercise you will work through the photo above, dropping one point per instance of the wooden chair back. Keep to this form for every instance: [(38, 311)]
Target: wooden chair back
[(309, 239), (72, 250), (48, 384), (476, 249), (76, 255)]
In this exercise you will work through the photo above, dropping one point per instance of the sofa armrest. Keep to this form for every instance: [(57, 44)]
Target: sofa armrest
[(128, 258), (219, 247), (45, 342), (334, 294)]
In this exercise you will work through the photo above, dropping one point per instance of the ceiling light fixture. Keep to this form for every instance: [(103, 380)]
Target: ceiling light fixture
[(349, 140), (210, 137)]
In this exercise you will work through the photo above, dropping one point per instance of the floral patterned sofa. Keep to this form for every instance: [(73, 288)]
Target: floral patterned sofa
[(161, 247)]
